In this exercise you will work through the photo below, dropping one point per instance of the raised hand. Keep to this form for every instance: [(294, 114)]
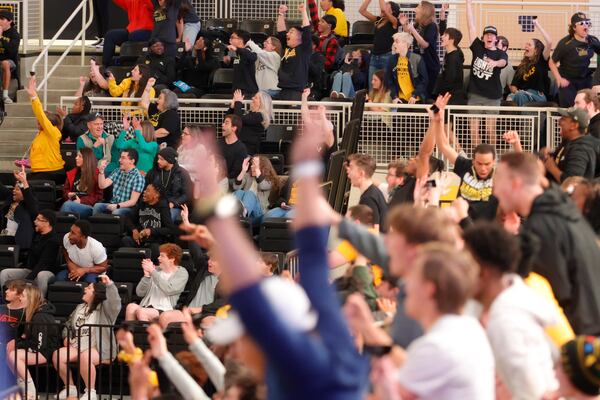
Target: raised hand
[(185, 214), (104, 279), (102, 165), (126, 123), (511, 137), (61, 111), (32, 87), (403, 19), (238, 96), (199, 234), (283, 9), (246, 164), (157, 341), (151, 83), (137, 124), (190, 334), (83, 80)]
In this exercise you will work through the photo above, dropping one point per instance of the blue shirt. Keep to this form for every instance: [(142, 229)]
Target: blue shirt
[(323, 364), (124, 183)]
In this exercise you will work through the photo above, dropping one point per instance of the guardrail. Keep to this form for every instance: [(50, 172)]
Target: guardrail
[(386, 135)]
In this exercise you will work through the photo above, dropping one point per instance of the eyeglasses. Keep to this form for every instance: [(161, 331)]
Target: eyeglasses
[(587, 23)]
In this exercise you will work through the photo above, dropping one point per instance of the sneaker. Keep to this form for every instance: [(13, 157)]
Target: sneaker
[(334, 95), (99, 44), (91, 395), (7, 100), (341, 95), (69, 391), (31, 391)]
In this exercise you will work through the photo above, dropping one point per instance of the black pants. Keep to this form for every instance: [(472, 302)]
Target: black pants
[(101, 15), (58, 176), (566, 95), (289, 95)]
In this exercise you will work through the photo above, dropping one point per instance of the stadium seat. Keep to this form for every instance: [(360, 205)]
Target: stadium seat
[(222, 80), (120, 73), (259, 29), (129, 52), (362, 32), (127, 264), (335, 168), (277, 160), (275, 235), (45, 192), (226, 24), (278, 138), (64, 221), (68, 151), (349, 48), (9, 256), (108, 230), (65, 296)]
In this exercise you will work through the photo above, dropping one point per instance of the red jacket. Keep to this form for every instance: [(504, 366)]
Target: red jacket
[(91, 198), (139, 13)]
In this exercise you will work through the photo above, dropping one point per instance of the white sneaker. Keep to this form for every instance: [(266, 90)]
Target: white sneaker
[(31, 391), (7, 100), (334, 95), (341, 95), (91, 395), (99, 44), (98, 41), (69, 391)]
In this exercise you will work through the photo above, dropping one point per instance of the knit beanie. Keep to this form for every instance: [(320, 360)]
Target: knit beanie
[(169, 155), (580, 360)]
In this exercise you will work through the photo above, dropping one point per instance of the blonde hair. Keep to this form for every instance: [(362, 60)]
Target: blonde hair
[(266, 108), (428, 13), (35, 301)]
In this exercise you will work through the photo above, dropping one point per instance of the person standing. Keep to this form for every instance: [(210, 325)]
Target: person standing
[(570, 63), (450, 79), (232, 148)]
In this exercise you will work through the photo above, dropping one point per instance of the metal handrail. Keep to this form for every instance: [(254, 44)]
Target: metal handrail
[(81, 35)]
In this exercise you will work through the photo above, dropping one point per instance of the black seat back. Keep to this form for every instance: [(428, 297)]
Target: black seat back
[(68, 151), (259, 29), (275, 235), (45, 192), (129, 52), (362, 32), (127, 264), (9, 256), (222, 80), (108, 230), (64, 222)]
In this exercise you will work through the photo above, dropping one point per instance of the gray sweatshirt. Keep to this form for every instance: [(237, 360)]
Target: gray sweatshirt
[(261, 187), (106, 314), (267, 67), (171, 287)]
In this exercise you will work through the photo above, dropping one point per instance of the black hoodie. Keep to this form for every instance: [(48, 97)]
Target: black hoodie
[(42, 334), (579, 157), (569, 258)]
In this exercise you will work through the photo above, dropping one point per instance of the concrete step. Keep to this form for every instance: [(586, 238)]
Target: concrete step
[(19, 123), (63, 70), (53, 95), (64, 83), (23, 109)]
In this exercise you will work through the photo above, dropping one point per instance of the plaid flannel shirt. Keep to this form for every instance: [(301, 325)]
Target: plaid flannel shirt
[(124, 183), (313, 12), (330, 51)]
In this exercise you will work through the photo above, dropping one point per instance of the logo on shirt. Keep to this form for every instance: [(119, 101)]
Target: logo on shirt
[(289, 53), (529, 73), (482, 69), (582, 51), (474, 189)]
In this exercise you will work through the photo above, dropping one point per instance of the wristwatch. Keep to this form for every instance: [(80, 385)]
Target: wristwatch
[(227, 206)]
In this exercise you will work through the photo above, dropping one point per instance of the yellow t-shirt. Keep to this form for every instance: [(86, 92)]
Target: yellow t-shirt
[(350, 254), (341, 26), (404, 82), (561, 332), (45, 148), (122, 90)]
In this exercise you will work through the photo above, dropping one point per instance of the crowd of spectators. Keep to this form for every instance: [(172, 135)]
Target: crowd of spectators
[(479, 283)]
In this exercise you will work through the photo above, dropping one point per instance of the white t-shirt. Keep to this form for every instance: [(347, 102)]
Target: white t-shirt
[(452, 361), (92, 254)]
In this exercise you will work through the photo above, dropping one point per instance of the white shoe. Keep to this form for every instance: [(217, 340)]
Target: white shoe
[(69, 391), (31, 391), (334, 95), (7, 100), (99, 44), (91, 395), (341, 95), (98, 41)]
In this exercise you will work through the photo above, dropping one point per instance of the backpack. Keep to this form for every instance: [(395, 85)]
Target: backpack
[(339, 54)]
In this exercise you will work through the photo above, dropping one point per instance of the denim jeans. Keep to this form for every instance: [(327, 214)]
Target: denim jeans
[(190, 32), (83, 210), (526, 96), (117, 37), (64, 276), (251, 204), (42, 280), (378, 62), (342, 83), (279, 212), (102, 208), (175, 214)]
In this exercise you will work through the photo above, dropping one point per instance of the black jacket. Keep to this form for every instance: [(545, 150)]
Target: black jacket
[(594, 126), (42, 334), (157, 233), (43, 255), (25, 213), (252, 127), (163, 68), (569, 258), (176, 182), (9, 44), (74, 125), (579, 157), (244, 71)]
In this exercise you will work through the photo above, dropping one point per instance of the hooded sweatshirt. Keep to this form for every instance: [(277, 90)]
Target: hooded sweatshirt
[(523, 353), (568, 258), (43, 334), (578, 157)]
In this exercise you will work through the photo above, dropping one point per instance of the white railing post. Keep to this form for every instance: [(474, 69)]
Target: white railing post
[(25, 25), (46, 77), (83, 29)]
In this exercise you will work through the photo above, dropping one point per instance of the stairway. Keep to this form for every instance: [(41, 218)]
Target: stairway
[(20, 126)]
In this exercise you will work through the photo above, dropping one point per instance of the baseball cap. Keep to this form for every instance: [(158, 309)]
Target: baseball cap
[(576, 114), (580, 359), (94, 116), (490, 29), (578, 17), (6, 14), (287, 300)]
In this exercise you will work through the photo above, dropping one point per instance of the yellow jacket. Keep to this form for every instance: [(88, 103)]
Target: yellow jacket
[(341, 26), (122, 90), (45, 148)]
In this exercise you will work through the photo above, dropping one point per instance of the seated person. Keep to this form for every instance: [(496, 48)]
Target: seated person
[(81, 190), (255, 121), (134, 86), (173, 179), (89, 345), (19, 209), (163, 116), (99, 141), (39, 340), (160, 287), (352, 75), (13, 312), (144, 142), (85, 256), (9, 51), (406, 72), (203, 297), (41, 258), (75, 123), (150, 222), (256, 187), (196, 67), (162, 68), (379, 93), (285, 203), (95, 84), (127, 183), (139, 27)]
